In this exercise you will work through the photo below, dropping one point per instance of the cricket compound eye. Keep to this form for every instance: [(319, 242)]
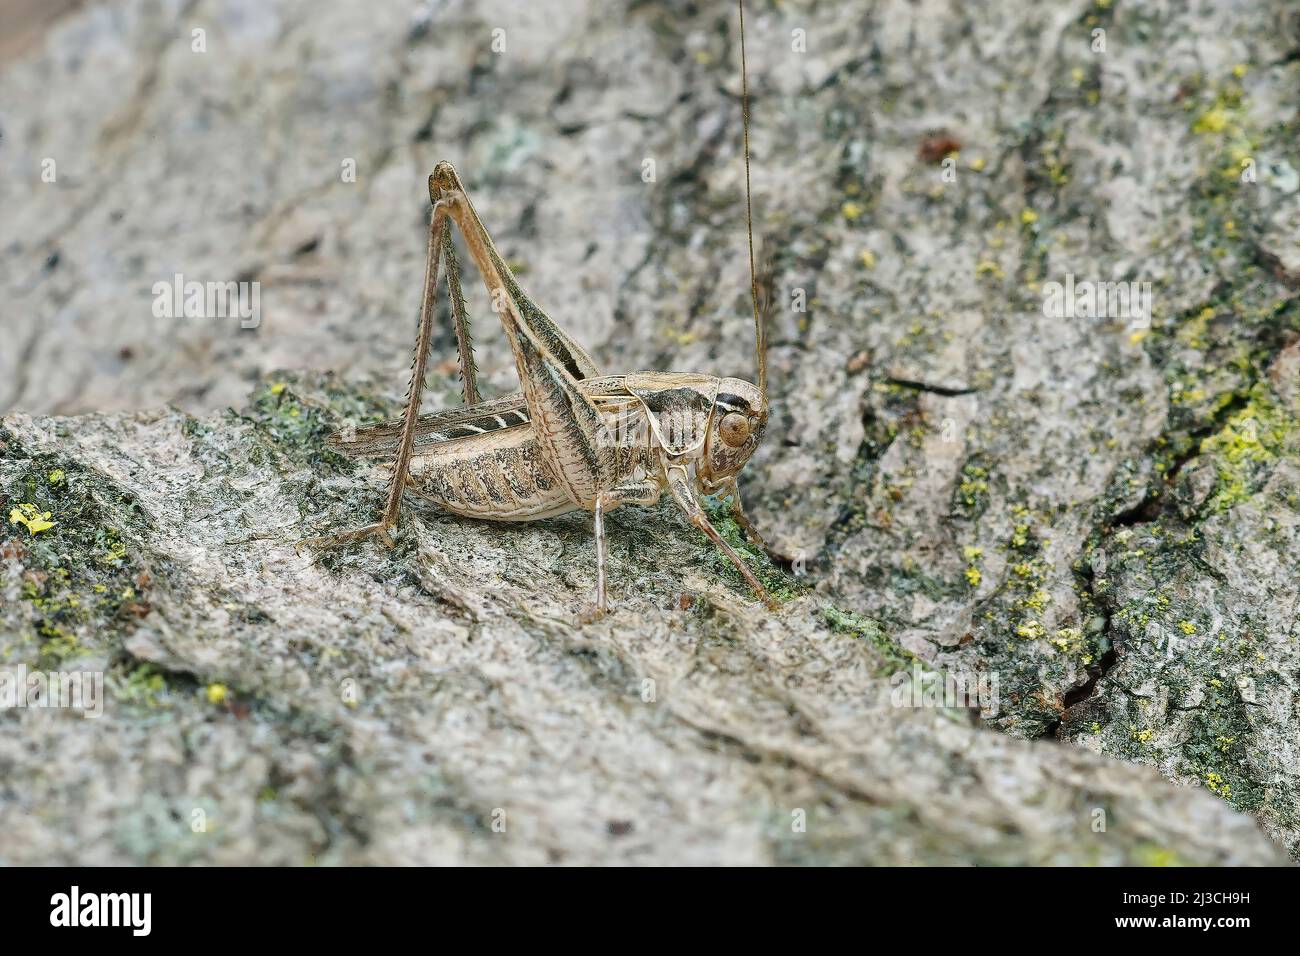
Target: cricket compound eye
[(734, 429)]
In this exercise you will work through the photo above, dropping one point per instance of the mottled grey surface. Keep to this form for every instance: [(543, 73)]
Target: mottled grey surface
[(1101, 514), (439, 703)]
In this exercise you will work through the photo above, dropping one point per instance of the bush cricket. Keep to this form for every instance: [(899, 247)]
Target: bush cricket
[(571, 438)]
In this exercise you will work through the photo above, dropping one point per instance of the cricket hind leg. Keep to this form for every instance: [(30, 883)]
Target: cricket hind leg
[(679, 485), (566, 422), (549, 361), (439, 240), (460, 320), (566, 352)]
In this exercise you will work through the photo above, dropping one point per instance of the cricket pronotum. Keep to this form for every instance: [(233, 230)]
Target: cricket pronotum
[(572, 438)]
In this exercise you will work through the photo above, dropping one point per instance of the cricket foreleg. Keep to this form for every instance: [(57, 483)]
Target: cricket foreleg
[(732, 490), (680, 486)]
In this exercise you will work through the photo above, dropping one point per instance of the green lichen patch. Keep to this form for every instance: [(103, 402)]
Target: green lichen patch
[(296, 428), (81, 580), (1198, 690), (1250, 440), (1041, 647), (783, 584), (1215, 752), (145, 688), (891, 411), (894, 657)]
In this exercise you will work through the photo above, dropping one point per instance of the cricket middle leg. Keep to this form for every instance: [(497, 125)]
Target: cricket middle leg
[(641, 493)]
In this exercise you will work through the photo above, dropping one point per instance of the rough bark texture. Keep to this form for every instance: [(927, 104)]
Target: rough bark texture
[(1101, 515)]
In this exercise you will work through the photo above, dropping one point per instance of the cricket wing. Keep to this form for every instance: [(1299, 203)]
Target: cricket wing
[(380, 439)]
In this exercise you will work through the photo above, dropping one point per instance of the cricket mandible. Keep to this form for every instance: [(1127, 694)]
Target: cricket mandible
[(572, 438)]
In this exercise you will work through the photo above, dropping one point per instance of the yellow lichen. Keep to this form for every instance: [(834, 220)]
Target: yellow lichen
[(35, 521), (1037, 600), (1218, 785), (1213, 120), (1030, 630), (1253, 436)]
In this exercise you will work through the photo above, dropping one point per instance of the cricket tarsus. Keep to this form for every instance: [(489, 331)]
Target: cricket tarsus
[(732, 490), (572, 439), (324, 542)]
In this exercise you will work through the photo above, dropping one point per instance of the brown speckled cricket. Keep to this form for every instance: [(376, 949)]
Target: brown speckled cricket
[(571, 438)]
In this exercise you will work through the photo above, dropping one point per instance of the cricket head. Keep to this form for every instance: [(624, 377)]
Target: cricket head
[(735, 429)]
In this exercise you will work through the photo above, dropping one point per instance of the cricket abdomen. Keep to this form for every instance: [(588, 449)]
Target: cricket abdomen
[(497, 476)]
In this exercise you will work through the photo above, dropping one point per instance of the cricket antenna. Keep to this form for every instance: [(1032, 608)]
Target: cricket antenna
[(760, 331)]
